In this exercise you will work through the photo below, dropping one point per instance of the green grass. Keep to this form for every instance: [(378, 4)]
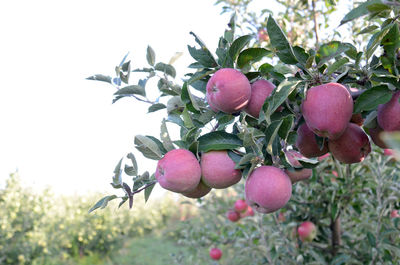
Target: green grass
[(150, 250)]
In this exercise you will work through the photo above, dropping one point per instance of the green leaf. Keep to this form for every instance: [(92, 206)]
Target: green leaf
[(134, 169), (377, 7), (279, 96), (187, 119), (238, 45), (391, 44), (202, 55), (131, 90), (165, 138), (218, 140), (280, 42), (117, 179), (166, 68), (103, 78), (245, 161), (368, 29), (286, 126), (150, 56), (187, 98), (148, 147), (371, 239), (336, 65), (147, 192), (270, 135), (340, 259), (376, 39), (155, 107), (251, 55), (330, 50), (371, 98), (359, 11), (102, 203)]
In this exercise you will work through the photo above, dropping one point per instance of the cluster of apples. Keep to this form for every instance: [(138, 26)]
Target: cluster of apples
[(327, 111), (239, 211)]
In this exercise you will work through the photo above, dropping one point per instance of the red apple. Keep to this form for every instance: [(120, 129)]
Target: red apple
[(178, 171), (388, 152), (249, 211), (233, 215), (327, 109), (394, 214), (240, 205), (307, 231), (307, 144), (352, 147), (389, 114), (375, 134), (260, 90), (268, 189), (218, 170), (296, 174), (228, 90), (215, 253), (200, 191)]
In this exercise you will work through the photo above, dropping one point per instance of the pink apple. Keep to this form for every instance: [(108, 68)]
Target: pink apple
[(389, 114), (228, 90), (307, 143), (218, 170), (240, 205), (233, 215), (215, 253), (352, 147), (268, 189), (200, 191), (394, 214), (307, 231), (296, 174), (388, 152), (327, 109), (178, 171), (260, 90)]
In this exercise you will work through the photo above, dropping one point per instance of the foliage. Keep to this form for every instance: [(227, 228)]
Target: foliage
[(42, 228), (363, 199), (350, 212)]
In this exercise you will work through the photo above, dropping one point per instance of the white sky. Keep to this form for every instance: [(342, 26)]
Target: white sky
[(61, 130)]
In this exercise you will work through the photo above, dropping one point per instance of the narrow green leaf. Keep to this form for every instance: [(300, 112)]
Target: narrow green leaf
[(103, 78), (150, 56), (376, 39), (117, 179), (156, 107), (147, 192), (165, 138), (368, 29), (130, 90), (218, 140), (280, 42), (336, 65), (371, 239), (359, 11), (270, 134), (148, 147), (286, 126), (102, 203)]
